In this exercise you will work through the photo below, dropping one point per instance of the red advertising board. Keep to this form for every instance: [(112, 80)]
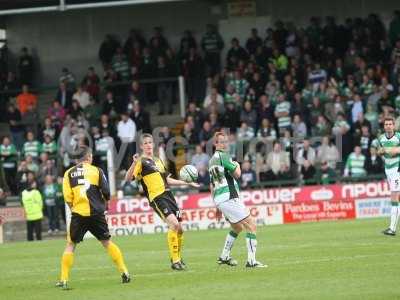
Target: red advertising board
[(268, 206), (318, 211)]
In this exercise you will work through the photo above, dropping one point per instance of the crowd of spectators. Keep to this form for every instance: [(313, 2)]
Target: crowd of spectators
[(289, 83)]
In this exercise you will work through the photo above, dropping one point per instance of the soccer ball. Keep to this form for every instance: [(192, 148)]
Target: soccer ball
[(188, 173)]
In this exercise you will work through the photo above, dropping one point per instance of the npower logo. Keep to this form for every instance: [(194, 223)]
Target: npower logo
[(371, 189)]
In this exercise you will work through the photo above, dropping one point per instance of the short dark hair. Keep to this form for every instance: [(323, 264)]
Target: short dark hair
[(389, 119), (82, 152)]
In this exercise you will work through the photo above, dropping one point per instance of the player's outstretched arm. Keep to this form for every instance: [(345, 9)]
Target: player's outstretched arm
[(172, 181), (129, 173)]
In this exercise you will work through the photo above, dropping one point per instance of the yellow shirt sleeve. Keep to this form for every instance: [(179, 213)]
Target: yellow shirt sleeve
[(137, 171), (67, 191)]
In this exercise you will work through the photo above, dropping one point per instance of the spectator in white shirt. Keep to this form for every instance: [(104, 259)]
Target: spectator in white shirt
[(213, 97), (127, 133), (305, 153), (82, 97)]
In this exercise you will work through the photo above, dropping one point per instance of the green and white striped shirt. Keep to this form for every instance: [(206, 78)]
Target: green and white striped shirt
[(225, 186), (283, 107), (355, 165), (32, 148), (392, 163)]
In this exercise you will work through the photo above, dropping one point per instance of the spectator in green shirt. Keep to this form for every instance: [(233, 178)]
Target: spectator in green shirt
[(8, 156), (31, 146)]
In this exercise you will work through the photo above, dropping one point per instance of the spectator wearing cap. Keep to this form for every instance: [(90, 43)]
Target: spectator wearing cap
[(33, 205), (26, 99)]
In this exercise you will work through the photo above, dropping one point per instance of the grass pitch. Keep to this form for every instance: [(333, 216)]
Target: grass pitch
[(328, 260)]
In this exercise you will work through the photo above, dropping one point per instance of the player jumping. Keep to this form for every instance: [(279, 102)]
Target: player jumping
[(389, 147), (151, 173), (225, 192)]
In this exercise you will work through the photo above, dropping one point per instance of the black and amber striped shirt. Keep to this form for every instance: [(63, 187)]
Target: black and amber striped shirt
[(152, 174), (86, 189)]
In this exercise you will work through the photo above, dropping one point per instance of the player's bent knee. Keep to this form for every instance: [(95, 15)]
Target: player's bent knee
[(105, 243)]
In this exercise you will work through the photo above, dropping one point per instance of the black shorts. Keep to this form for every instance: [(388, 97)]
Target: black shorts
[(96, 225), (165, 205)]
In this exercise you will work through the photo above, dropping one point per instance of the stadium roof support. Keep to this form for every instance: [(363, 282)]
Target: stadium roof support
[(64, 7)]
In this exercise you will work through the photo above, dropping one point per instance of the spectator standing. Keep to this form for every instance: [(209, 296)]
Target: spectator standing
[(33, 205), (127, 134), (8, 155), (25, 67), (50, 195), (64, 96), (212, 45), (68, 79), (16, 128), (26, 99), (107, 50)]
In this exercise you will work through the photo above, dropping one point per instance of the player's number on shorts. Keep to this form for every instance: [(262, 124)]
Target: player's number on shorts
[(396, 182), (85, 186)]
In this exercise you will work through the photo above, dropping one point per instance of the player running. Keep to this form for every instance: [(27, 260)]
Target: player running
[(225, 192), (86, 192), (153, 176), (389, 147)]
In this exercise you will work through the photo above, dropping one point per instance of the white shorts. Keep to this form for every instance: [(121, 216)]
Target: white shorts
[(393, 179), (234, 210)]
